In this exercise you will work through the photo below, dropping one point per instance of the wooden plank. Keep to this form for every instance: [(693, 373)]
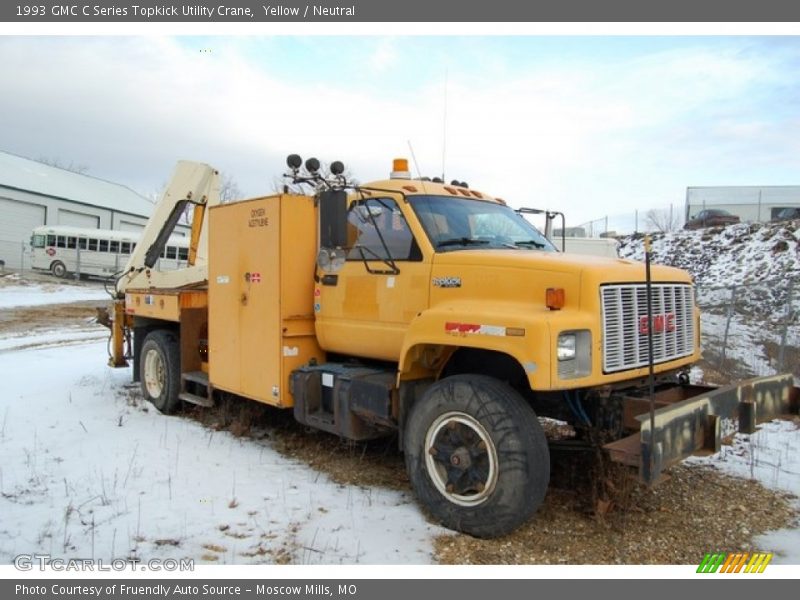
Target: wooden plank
[(626, 451)]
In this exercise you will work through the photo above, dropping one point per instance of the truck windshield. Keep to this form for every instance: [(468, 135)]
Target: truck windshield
[(463, 224)]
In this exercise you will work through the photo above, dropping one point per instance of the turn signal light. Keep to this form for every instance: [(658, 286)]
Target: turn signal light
[(555, 298)]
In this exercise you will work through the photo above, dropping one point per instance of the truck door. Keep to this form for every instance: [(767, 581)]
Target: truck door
[(365, 308)]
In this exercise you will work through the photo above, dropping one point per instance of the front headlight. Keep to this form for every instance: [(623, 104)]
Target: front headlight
[(574, 353), (565, 350)]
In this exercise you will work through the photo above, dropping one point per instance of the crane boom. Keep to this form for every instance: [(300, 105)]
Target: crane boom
[(192, 183)]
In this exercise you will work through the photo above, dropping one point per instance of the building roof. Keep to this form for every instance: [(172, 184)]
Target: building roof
[(744, 194), (36, 177)]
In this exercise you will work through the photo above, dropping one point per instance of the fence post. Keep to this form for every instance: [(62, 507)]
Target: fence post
[(77, 260), (787, 318), (728, 326)]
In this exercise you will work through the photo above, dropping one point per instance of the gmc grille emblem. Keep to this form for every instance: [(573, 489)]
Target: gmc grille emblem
[(661, 323)]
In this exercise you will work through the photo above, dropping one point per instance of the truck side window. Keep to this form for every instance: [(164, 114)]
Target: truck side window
[(363, 218)]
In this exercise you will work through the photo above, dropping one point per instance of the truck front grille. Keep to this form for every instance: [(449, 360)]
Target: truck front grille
[(625, 324)]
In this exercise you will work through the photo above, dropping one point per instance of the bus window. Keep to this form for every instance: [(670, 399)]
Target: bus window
[(183, 254), (82, 243), (51, 240), (125, 248), (61, 241), (103, 246), (113, 246), (38, 240), (93, 245), (172, 252), (72, 242)]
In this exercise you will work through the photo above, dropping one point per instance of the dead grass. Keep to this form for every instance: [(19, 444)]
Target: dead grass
[(29, 319)]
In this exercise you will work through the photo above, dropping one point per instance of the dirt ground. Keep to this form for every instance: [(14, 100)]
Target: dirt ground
[(42, 318), (695, 511)]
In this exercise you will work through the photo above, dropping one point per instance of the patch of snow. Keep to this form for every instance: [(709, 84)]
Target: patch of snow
[(90, 470), (771, 456), (14, 296), (721, 256), (51, 338)]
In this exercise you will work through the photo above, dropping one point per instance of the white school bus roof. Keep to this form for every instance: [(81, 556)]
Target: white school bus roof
[(106, 234)]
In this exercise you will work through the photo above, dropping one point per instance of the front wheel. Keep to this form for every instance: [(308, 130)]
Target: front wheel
[(476, 455), (58, 269), (160, 370)]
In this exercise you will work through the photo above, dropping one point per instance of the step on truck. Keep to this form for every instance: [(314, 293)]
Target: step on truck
[(429, 311)]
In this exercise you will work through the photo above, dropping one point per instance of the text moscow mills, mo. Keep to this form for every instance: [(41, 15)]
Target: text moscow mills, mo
[(184, 590)]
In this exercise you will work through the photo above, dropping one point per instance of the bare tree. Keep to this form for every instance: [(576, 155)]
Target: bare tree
[(663, 219), (229, 189), (81, 169)]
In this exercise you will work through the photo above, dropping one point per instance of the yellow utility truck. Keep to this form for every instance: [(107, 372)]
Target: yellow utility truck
[(429, 311)]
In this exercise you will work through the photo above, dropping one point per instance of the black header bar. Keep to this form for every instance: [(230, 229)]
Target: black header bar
[(443, 11)]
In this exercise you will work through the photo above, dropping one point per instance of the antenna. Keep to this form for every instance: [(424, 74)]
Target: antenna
[(414, 158), (444, 127), (416, 166)]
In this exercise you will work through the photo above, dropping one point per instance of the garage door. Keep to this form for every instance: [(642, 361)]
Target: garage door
[(17, 219), (130, 226), (77, 219)]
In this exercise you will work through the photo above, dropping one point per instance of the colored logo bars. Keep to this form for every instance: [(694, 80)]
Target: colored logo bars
[(743, 562)]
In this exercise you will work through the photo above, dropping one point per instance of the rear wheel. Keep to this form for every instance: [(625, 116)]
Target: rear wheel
[(160, 369), (58, 269), (476, 455)]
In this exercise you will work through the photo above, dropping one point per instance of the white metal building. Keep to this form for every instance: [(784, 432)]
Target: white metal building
[(751, 203), (33, 194)]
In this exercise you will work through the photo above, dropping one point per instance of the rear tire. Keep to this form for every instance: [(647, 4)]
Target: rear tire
[(476, 455), (160, 370), (58, 269)]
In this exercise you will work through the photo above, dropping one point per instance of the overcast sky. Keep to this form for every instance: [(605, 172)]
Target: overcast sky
[(588, 125)]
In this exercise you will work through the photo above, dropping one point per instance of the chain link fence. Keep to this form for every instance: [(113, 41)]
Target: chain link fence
[(76, 262), (661, 218), (15, 255), (751, 330)]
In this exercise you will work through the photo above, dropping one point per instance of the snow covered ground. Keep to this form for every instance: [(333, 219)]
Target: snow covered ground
[(771, 456), (15, 292), (88, 471)]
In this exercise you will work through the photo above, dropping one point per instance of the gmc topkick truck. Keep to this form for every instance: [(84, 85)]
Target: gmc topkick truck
[(429, 311)]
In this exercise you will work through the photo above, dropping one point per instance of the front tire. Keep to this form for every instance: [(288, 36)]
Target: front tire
[(476, 455), (160, 369), (58, 269)]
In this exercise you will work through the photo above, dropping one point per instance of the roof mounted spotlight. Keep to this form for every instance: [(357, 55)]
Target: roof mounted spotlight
[(438, 180), (337, 167), (455, 182), (464, 184), (312, 165), (294, 161)]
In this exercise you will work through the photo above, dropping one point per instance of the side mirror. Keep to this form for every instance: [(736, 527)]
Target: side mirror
[(333, 219)]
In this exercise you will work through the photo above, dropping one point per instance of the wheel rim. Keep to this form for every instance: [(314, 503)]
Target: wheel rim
[(154, 373), (59, 270), (461, 459)]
